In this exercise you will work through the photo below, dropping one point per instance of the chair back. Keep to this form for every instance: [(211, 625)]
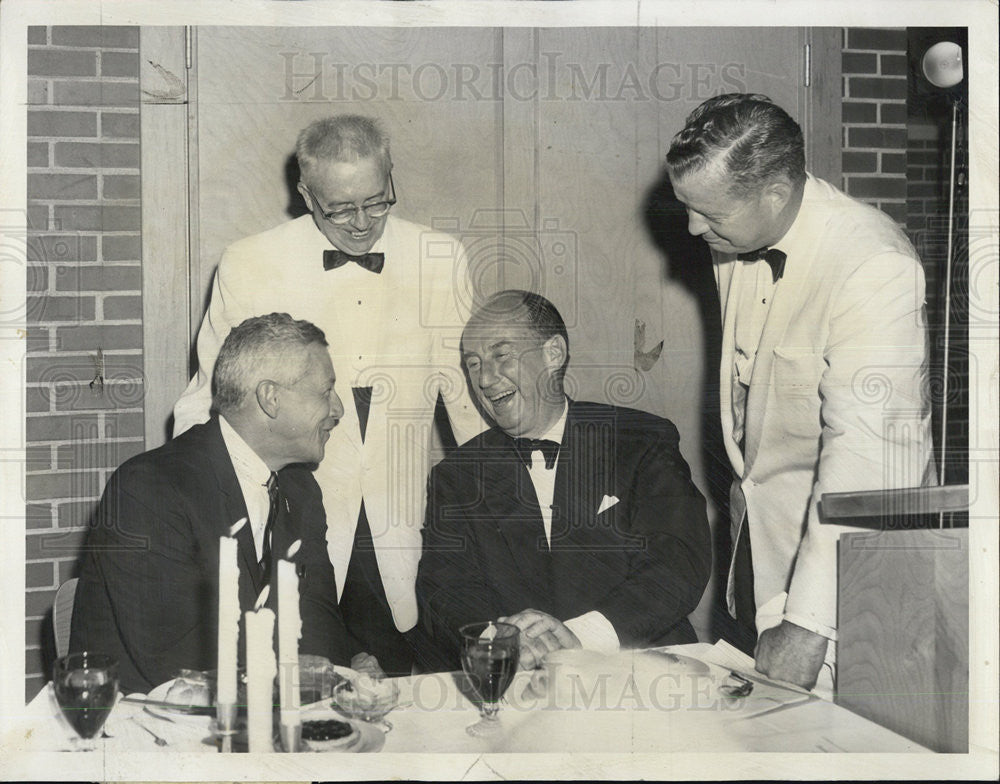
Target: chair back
[(62, 615)]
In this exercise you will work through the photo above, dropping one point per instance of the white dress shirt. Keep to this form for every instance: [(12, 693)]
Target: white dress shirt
[(757, 289), (252, 474), (592, 629)]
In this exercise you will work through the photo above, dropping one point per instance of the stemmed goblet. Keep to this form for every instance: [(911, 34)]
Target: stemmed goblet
[(86, 687), (489, 659), (368, 700)]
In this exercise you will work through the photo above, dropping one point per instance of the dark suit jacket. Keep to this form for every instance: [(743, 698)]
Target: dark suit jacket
[(148, 590), (643, 563)]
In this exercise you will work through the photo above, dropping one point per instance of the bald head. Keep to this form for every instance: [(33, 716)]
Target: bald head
[(515, 349)]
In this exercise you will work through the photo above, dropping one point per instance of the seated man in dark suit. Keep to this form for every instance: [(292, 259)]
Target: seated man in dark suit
[(148, 590), (592, 537)]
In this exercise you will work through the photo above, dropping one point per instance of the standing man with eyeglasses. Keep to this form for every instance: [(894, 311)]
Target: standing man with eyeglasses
[(384, 292)]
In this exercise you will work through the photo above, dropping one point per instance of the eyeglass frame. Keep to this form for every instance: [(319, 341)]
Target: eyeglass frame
[(354, 209)]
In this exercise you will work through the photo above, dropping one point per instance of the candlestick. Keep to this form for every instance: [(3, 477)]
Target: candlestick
[(261, 670), (228, 636), (289, 632)]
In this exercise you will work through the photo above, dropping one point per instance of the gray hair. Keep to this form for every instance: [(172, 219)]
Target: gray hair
[(344, 137), (753, 138), (262, 347)]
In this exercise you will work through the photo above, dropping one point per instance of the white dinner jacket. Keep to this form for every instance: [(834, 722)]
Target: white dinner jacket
[(397, 332), (837, 400)]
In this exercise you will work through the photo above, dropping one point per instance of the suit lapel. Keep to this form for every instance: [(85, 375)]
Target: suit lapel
[(247, 555), (584, 476), (286, 529), (727, 277), (579, 474)]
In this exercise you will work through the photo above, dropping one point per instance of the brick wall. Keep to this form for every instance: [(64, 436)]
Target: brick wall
[(874, 115), (887, 164), (84, 294)]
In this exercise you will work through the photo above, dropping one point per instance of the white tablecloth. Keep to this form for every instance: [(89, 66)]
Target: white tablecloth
[(645, 707)]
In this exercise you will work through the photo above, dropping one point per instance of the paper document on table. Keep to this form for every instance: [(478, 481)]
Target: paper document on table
[(767, 694), (725, 655)]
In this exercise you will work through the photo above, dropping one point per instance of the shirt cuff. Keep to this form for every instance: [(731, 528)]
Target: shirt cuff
[(594, 632), (810, 625), (773, 612)]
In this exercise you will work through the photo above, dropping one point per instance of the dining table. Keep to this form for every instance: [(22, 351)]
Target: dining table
[(649, 707)]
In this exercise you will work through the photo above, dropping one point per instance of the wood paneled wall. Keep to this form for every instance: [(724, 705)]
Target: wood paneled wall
[(541, 149)]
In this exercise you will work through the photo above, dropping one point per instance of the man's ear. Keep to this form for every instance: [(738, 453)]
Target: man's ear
[(267, 398), (301, 188), (555, 352), (777, 194)]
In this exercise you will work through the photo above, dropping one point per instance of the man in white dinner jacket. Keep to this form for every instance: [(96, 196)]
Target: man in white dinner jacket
[(823, 374), (387, 294)]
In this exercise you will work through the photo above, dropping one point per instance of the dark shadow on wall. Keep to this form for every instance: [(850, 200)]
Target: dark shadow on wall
[(47, 644), (296, 206), (688, 262)]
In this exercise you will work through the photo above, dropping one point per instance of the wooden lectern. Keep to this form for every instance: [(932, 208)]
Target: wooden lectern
[(903, 627)]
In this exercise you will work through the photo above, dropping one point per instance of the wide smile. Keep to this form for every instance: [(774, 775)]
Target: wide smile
[(501, 400)]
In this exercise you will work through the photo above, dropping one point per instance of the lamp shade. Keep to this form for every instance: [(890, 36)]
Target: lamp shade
[(942, 64)]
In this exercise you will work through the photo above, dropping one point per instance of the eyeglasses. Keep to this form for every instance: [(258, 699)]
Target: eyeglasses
[(346, 214)]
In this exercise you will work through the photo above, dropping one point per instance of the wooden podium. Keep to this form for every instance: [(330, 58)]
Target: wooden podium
[(903, 632)]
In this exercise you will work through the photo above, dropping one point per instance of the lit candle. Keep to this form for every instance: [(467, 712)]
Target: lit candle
[(261, 669), (289, 632), (229, 620)]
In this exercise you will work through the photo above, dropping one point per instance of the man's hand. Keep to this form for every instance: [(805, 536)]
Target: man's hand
[(790, 653), (540, 633), (367, 664)]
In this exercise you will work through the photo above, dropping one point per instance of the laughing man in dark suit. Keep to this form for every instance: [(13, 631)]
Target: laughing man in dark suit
[(597, 539), (148, 590)]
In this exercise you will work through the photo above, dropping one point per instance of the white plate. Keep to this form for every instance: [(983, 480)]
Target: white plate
[(177, 715), (159, 694)]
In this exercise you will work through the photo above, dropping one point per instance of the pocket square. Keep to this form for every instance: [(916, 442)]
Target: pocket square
[(607, 503)]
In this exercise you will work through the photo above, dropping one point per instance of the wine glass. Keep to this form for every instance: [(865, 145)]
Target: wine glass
[(489, 659), (86, 687)]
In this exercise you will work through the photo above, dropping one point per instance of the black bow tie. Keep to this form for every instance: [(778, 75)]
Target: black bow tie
[(774, 258), (373, 262), (525, 446)]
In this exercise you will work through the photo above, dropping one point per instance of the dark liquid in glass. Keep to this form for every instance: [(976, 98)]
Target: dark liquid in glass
[(86, 705), (490, 671)]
